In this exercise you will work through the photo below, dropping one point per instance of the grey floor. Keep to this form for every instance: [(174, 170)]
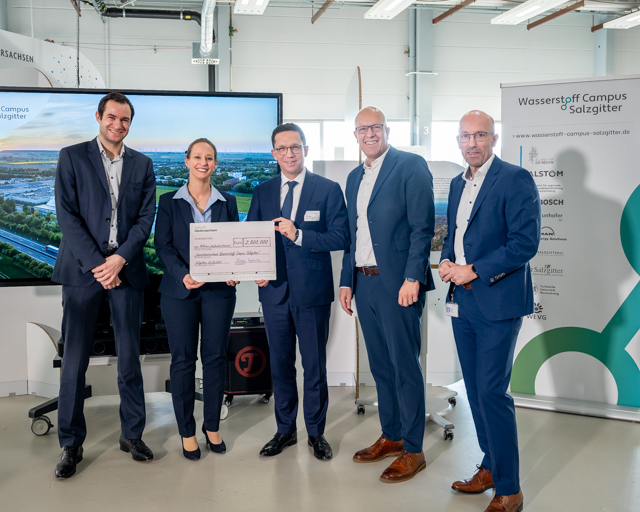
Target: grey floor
[(568, 463)]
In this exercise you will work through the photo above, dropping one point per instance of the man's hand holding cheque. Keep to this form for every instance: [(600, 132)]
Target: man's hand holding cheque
[(286, 228)]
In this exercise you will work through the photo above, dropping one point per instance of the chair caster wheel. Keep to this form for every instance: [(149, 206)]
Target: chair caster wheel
[(41, 425), (448, 435), (360, 409), (453, 401)]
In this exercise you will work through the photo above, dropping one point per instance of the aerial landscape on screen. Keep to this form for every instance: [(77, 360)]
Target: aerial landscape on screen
[(162, 128)]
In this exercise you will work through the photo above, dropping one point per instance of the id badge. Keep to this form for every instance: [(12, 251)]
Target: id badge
[(452, 309), (312, 216)]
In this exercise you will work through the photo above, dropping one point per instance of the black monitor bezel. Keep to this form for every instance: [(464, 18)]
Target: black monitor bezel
[(44, 281)]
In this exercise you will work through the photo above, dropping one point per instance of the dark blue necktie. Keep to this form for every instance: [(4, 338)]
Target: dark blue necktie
[(287, 206)]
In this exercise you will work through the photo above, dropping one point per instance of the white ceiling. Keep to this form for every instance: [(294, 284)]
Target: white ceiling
[(598, 6)]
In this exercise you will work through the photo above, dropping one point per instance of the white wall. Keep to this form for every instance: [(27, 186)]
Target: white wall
[(626, 59), (312, 65), (473, 57), (135, 64)]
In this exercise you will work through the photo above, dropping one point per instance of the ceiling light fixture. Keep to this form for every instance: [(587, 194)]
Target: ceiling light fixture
[(525, 11), (255, 7), (623, 22), (387, 9)]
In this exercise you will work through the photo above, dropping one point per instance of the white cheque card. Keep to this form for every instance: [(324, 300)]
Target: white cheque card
[(242, 251)]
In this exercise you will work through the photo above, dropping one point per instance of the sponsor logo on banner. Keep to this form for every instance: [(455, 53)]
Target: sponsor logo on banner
[(535, 158), (546, 174), (550, 253), (548, 234), (552, 202), (537, 313), (546, 270), (587, 103), (552, 215), (545, 289), (549, 188)]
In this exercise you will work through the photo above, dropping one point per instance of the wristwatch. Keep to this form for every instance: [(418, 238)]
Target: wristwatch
[(297, 235), (410, 279), (473, 269)]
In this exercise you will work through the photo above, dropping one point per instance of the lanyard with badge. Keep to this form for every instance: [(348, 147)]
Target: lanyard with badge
[(451, 307)]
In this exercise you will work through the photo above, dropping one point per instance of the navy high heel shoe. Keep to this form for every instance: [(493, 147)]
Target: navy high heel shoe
[(215, 448), (191, 455)]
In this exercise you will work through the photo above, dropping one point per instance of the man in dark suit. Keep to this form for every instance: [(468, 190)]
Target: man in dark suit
[(494, 230), (391, 221), (105, 204), (311, 218)]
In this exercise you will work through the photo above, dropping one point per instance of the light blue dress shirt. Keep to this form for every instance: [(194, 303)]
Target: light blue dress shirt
[(183, 193)]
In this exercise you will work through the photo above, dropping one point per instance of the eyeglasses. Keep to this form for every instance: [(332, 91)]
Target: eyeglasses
[(478, 136), (375, 128), (296, 149)]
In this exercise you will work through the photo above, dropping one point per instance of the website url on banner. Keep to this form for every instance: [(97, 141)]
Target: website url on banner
[(597, 133)]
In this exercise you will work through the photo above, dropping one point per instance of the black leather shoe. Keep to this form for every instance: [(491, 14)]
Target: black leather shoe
[(139, 450), (215, 448), (191, 455), (321, 448), (68, 460), (278, 443)]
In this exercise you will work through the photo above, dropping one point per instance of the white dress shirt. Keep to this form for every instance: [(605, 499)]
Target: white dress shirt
[(297, 190), (467, 200), (113, 168), (365, 256)]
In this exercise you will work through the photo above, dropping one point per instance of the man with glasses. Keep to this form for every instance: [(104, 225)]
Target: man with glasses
[(391, 220), (311, 217), (494, 230)]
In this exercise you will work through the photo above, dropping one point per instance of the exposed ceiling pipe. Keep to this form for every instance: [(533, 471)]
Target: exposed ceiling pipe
[(113, 12), (206, 26)]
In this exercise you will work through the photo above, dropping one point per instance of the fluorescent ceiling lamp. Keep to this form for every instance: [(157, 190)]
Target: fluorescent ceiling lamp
[(525, 11), (255, 7), (628, 21), (387, 9)]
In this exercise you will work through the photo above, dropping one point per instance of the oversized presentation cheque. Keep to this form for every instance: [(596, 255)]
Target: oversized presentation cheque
[(242, 251)]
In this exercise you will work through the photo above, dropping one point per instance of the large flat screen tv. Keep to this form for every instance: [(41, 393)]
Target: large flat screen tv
[(36, 123)]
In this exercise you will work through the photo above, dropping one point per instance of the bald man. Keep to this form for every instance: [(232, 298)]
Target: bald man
[(494, 230), (391, 223)]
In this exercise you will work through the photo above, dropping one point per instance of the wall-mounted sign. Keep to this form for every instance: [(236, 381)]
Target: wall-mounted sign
[(56, 63)]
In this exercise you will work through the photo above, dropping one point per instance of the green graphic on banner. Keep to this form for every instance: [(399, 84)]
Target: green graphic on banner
[(609, 345)]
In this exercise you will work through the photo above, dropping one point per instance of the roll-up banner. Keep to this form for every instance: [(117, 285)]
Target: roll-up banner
[(580, 140)]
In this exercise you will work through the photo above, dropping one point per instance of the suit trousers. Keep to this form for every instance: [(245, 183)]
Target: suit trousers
[(311, 325), (207, 313), (392, 336), (485, 350), (80, 309)]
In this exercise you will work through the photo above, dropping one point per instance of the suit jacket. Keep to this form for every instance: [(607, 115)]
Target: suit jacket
[(503, 234), (172, 240), (401, 216), (83, 208), (304, 270)]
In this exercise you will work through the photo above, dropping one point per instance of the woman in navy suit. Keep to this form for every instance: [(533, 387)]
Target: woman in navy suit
[(188, 304)]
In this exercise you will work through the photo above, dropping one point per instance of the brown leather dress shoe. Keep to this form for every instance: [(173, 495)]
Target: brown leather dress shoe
[(381, 449), (477, 484), (511, 503), (404, 468)]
